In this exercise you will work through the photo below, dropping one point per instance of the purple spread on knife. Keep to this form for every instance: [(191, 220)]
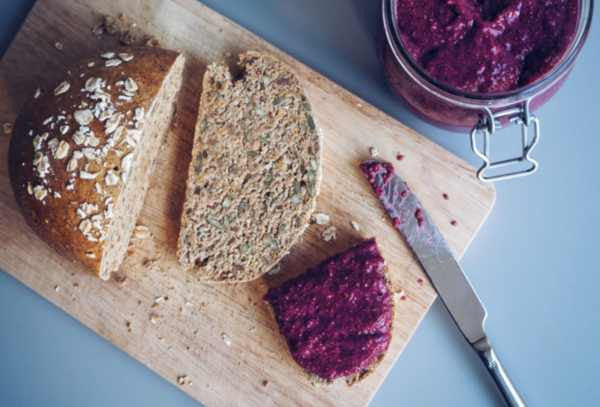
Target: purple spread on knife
[(373, 168), (402, 206), (487, 45), (378, 174), (337, 317)]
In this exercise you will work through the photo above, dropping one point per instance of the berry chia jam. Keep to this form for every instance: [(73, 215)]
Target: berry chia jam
[(455, 61), (337, 317), (484, 46)]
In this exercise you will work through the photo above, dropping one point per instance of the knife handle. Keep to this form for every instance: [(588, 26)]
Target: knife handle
[(492, 363)]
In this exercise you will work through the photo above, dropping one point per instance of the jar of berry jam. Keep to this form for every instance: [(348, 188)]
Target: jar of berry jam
[(479, 65)]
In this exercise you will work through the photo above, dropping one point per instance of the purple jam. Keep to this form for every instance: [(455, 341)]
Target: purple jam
[(378, 173), (372, 168), (487, 46), (337, 317)]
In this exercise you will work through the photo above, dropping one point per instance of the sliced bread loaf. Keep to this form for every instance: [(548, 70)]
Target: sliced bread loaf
[(255, 171), (82, 152)]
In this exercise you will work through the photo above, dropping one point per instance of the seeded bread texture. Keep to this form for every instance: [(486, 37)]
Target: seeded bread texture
[(82, 152), (255, 171)]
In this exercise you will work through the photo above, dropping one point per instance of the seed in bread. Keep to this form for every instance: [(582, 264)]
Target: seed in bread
[(82, 153), (254, 174)]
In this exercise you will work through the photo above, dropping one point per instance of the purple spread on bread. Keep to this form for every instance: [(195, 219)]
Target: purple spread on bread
[(337, 317)]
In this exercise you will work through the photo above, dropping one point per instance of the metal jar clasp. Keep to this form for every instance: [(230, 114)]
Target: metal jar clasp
[(487, 126)]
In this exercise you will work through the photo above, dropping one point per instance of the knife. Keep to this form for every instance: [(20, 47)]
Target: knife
[(456, 292)]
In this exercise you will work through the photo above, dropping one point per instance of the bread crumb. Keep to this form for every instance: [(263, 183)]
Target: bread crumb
[(181, 379), (320, 218), (148, 263), (373, 152), (125, 30), (152, 42), (329, 234), (226, 339), (120, 278), (154, 318), (7, 128), (57, 288), (159, 300), (355, 226), (98, 29), (59, 45), (128, 325), (141, 232), (400, 293)]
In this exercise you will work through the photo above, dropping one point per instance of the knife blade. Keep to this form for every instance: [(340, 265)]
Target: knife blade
[(447, 277)]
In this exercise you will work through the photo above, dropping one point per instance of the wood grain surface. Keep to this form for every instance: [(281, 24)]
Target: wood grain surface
[(223, 337)]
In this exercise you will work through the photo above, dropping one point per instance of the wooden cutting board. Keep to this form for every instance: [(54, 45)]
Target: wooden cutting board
[(223, 337)]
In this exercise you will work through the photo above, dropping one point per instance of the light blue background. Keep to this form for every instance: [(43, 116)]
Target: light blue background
[(535, 262)]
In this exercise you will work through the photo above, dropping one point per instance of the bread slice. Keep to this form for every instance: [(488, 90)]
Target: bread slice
[(82, 152), (337, 317), (255, 171)]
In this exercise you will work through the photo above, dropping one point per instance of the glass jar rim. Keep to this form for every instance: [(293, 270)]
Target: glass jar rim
[(478, 100)]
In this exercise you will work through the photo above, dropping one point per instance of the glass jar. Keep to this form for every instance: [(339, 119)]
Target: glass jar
[(481, 113)]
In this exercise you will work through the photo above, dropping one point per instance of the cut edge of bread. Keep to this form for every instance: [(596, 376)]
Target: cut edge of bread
[(225, 73), (155, 130)]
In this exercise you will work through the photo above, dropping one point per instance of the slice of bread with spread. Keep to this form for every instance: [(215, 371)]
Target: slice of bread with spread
[(255, 171), (337, 317), (82, 153)]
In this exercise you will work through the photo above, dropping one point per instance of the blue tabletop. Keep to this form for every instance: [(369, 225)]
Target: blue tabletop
[(533, 263)]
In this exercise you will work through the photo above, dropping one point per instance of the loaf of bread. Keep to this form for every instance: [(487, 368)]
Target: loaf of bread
[(255, 171), (82, 152)]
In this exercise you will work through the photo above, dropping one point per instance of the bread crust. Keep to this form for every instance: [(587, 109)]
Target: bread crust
[(55, 193)]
